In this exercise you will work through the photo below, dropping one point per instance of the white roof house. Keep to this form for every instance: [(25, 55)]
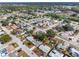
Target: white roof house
[(1, 33), (55, 53), (74, 51), (36, 43), (63, 46), (44, 48)]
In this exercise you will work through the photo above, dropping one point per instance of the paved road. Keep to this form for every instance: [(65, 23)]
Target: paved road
[(17, 40), (5, 45), (44, 48)]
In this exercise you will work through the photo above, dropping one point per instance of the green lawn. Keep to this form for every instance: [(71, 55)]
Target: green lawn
[(29, 44), (15, 45), (5, 38)]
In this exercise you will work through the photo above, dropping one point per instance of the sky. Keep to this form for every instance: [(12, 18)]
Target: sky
[(39, 0)]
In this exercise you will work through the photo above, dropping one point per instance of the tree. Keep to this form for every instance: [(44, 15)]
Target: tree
[(56, 16), (13, 22), (40, 36), (50, 33), (30, 32), (29, 43), (74, 15), (74, 19), (4, 23), (76, 9), (66, 21), (76, 31), (68, 27), (13, 32)]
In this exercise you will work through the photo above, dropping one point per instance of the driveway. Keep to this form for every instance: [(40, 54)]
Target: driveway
[(20, 43)]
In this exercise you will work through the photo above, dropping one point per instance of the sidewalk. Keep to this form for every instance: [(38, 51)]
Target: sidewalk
[(44, 48), (17, 40)]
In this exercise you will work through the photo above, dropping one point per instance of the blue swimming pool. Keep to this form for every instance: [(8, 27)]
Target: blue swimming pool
[(3, 52)]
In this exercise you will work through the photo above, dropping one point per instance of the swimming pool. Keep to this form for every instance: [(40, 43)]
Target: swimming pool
[(3, 52)]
